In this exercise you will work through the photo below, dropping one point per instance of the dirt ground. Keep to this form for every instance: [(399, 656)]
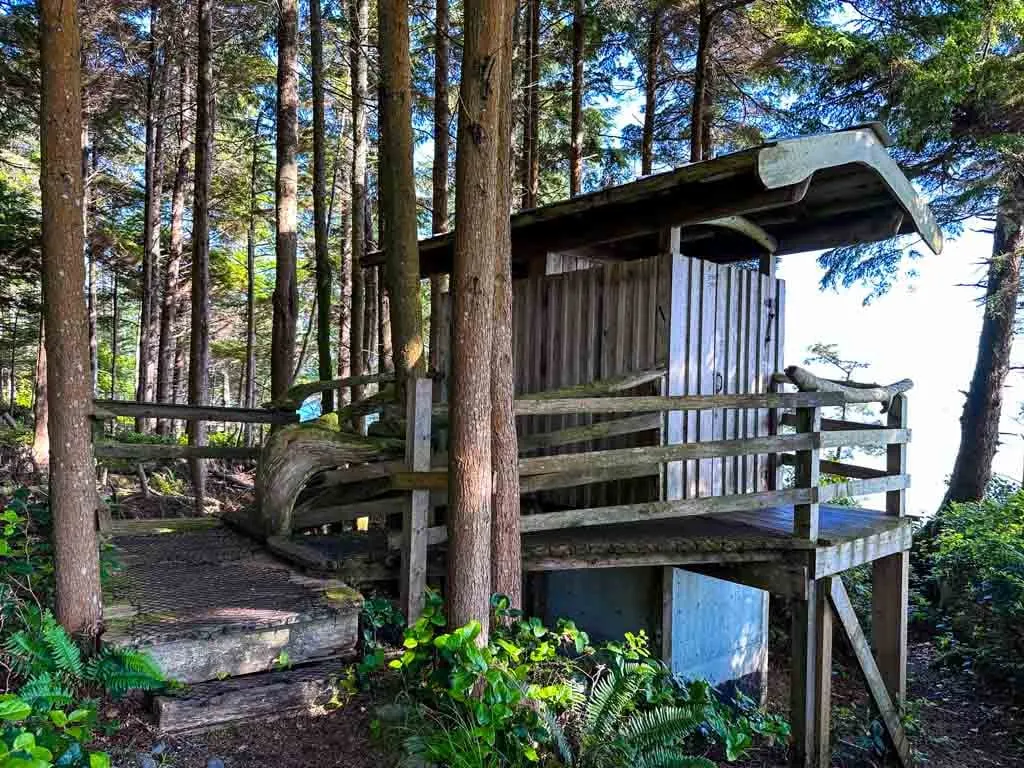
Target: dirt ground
[(954, 722)]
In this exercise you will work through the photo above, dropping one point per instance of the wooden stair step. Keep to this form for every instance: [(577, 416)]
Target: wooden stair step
[(220, 703), (212, 604)]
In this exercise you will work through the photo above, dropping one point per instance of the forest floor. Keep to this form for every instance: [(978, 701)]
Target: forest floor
[(954, 723)]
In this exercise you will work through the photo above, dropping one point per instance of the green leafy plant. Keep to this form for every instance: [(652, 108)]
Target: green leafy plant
[(536, 695)]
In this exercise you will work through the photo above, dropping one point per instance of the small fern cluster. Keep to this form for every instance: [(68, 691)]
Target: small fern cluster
[(54, 671), (609, 728)]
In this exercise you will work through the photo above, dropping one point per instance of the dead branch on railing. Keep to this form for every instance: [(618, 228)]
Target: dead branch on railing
[(854, 392)]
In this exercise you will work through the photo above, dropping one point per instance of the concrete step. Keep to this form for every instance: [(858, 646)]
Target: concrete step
[(219, 703), (212, 604)]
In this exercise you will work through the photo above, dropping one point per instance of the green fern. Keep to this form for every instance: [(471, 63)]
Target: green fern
[(64, 654), (660, 727), (120, 671), (44, 692), (670, 758)]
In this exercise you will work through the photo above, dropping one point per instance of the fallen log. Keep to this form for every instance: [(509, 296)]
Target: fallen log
[(854, 392), (294, 454)]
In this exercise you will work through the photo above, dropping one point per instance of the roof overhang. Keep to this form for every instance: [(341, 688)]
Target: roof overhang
[(790, 196)]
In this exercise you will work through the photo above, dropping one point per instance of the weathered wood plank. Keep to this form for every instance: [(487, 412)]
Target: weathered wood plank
[(851, 488), (779, 579), (896, 456), (157, 526), (297, 394), (803, 678), (830, 425), (654, 403), (861, 549), (588, 432), (890, 580), (661, 510), (548, 482), (876, 684), (111, 409), (413, 582), (806, 516), (155, 451), (311, 516), (532, 563), (864, 437), (838, 468), (823, 676)]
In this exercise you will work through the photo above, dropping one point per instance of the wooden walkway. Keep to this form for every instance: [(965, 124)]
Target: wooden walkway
[(849, 537)]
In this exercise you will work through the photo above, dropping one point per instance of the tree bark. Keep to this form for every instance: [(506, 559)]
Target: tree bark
[(442, 145), (359, 22), (344, 163), (12, 391), (72, 478), (250, 284), (979, 424), (700, 77), (89, 206), (156, 97), (323, 262), (476, 211), (199, 357), (115, 326), (532, 123), (576, 117), (506, 557), (651, 90), (286, 293), (41, 429), (172, 273), (397, 183)]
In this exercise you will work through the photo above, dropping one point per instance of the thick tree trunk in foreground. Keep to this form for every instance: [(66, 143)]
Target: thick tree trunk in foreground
[(41, 410), (72, 477), (286, 293), (359, 22), (979, 424), (476, 211), (172, 273), (506, 558), (442, 142), (199, 357), (576, 118), (651, 91), (398, 194), (325, 369)]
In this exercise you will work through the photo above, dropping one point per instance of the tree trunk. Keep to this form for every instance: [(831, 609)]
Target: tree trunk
[(576, 118), (371, 328), (506, 558), (323, 261), (476, 211), (398, 195), (442, 142), (344, 163), (250, 284), (12, 392), (156, 96), (700, 78), (90, 215), (532, 123), (172, 273), (199, 357), (72, 478), (979, 424), (41, 431), (115, 326), (359, 22), (286, 294), (651, 91)]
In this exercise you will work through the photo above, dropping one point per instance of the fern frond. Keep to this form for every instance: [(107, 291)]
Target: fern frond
[(610, 697), (670, 758), (44, 692), (66, 656), (120, 671), (27, 652), (660, 727)]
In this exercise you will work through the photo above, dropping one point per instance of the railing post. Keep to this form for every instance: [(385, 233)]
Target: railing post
[(890, 576), (774, 468), (413, 581), (808, 469)]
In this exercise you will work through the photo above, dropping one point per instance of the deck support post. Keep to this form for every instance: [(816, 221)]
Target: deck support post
[(890, 576), (808, 469), (413, 578), (811, 677)]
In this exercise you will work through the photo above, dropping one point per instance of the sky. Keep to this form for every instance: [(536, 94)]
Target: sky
[(926, 329)]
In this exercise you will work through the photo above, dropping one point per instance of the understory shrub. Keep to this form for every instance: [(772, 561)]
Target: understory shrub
[(973, 556), (51, 715), (535, 695)]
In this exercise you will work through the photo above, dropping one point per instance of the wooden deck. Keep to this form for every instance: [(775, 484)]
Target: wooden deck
[(849, 537)]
